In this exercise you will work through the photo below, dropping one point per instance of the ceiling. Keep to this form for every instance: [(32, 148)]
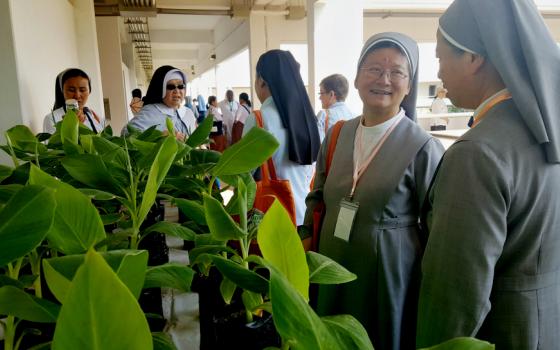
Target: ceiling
[(176, 31)]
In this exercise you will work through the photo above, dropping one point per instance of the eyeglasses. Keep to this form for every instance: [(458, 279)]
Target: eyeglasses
[(173, 86), (395, 75)]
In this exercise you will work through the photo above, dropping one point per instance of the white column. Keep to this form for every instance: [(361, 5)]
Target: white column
[(335, 37), (257, 46), (112, 78), (86, 46), (9, 85)]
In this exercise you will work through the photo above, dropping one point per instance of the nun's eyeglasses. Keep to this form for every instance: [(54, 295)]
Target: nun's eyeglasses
[(173, 86), (395, 75)]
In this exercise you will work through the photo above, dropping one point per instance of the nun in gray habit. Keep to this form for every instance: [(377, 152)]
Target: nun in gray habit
[(382, 245), (491, 267)]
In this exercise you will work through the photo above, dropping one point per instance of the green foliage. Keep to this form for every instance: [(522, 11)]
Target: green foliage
[(241, 157), (200, 135), (87, 317), (220, 223), (25, 221), (77, 226), (172, 229), (324, 270), (129, 265), (281, 246), (16, 302), (170, 275), (462, 343)]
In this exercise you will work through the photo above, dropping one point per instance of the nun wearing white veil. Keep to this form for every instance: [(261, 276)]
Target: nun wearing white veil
[(491, 268)]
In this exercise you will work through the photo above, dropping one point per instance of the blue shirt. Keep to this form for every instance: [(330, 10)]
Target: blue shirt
[(298, 175), (337, 111)]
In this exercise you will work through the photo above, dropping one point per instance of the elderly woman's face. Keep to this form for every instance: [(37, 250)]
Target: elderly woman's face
[(383, 80), (76, 88), (174, 93)]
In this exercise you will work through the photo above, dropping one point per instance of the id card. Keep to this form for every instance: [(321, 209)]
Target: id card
[(345, 219)]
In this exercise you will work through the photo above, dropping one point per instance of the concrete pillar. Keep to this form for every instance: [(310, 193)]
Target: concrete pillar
[(86, 47), (112, 79), (257, 46), (335, 37), (9, 85)]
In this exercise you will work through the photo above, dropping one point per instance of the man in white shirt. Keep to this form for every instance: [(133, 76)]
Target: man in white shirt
[(229, 108)]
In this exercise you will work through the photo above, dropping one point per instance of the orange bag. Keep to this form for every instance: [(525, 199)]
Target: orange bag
[(312, 243), (270, 187)]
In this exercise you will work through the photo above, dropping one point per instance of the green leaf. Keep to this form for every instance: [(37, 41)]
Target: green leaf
[(158, 170), (240, 275), (5, 172), (172, 229), (294, 319), (281, 246), (90, 170), (25, 221), (77, 224), (97, 194), (169, 124), (16, 302), (209, 249), (241, 157), (87, 143), (170, 275), (193, 210), (227, 288), (21, 137), (324, 270), (163, 341), (462, 343), (7, 281), (69, 129), (251, 300), (100, 312), (7, 192), (349, 332), (58, 284), (220, 223), (129, 265), (200, 135)]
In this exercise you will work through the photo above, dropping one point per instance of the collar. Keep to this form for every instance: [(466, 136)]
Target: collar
[(483, 104), (386, 124)]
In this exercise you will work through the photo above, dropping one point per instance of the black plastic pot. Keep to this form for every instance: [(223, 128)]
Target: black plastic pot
[(225, 326)]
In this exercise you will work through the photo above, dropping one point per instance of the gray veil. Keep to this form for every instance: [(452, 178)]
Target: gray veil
[(410, 48), (514, 37)]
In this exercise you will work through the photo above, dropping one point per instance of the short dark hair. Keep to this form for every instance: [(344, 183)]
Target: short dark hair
[(211, 99), (137, 93), (336, 83)]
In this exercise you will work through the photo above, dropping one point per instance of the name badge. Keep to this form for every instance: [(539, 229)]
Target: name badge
[(345, 219), (214, 129)]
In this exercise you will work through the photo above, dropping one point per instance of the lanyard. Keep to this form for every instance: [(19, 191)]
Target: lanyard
[(188, 132), (488, 106), (326, 121), (359, 169)]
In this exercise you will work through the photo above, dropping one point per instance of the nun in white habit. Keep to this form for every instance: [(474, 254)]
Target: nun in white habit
[(491, 268)]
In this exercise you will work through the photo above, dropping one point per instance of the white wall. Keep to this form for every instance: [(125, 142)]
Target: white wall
[(9, 91), (57, 37)]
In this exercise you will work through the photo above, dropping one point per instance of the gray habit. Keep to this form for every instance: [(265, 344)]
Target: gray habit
[(384, 247), (491, 266)]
